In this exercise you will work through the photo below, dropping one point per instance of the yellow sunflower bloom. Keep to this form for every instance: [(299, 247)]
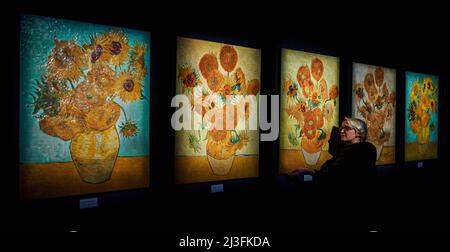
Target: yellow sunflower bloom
[(117, 47), (128, 87), (427, 86), (98, 49)]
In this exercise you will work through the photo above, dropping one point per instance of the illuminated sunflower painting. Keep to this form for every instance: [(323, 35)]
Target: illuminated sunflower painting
[(421, 121), (309, 108), (84, 108), (374, 99), (222, 77)]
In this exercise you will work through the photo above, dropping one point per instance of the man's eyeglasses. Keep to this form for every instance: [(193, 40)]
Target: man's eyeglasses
[(346, 128)]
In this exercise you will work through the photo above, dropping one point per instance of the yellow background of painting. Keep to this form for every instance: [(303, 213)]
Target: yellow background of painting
[(291, 60)]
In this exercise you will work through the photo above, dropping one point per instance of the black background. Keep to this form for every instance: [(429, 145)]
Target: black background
[(407, 198)]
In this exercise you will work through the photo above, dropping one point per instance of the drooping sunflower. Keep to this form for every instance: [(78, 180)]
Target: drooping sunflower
[(239, 79), (128, 129), (117, 45), (137, 60), (323, 89), (128, 87), (334, 92), (66, 61), (253, 87)]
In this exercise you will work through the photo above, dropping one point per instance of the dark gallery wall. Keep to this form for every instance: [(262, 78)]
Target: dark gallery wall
[(406, 198)]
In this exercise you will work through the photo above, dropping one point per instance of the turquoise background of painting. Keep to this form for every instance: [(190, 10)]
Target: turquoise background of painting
[(411, 137), (36, 42)]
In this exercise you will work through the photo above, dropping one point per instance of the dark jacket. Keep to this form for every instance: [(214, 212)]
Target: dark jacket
[(348, 189), (353, 165)]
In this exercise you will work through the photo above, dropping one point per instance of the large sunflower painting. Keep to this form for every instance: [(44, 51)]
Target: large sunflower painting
[(309, 108), (84, 108), (221, 77), (421, 116), (374, 99)]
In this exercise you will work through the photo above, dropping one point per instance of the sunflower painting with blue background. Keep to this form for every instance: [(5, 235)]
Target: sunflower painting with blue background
[(421, 116), (84, 108)]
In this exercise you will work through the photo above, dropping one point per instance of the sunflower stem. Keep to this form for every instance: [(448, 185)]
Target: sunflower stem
[(124, 113)]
